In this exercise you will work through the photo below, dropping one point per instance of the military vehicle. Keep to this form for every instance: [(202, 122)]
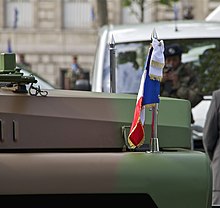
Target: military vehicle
[(67, 148)]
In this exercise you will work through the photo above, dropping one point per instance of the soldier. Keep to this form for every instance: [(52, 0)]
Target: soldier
[(179, 80), (73, 74), (23, 64), (76, 68)]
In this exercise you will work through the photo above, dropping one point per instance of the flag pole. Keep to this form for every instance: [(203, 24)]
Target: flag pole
[(148, 96), (154, 142), (112, 66)]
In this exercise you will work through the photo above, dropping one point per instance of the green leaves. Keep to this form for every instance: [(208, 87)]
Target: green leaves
[(168, 2), (126, 3)]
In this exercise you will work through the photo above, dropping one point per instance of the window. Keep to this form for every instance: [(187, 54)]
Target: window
[(202, 54), (130, 61), (78, 13), (19, 13)]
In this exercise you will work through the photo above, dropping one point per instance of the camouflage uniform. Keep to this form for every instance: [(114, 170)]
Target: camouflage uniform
[(187, 86)]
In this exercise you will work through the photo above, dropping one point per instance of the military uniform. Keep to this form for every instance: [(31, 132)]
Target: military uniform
[(185, 88), (185, 85)]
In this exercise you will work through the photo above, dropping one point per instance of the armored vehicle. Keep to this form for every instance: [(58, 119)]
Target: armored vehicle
[(65, 148)]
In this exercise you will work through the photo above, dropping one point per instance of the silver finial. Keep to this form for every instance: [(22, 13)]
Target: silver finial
[(112, 42), (154, 34)]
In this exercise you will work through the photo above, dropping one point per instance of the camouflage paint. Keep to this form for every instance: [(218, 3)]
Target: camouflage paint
[(173, 179)]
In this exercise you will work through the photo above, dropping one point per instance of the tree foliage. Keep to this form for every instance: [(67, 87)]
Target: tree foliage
[(166, 2), (141, 4), (102, 13)]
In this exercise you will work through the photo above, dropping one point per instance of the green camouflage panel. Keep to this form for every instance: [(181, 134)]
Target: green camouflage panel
[(172, 179), (179, 178), (78, 148)]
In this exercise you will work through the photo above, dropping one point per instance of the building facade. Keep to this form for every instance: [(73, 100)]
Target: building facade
[(50, 32)]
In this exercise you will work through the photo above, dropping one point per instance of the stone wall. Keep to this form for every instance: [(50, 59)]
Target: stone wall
[(47, 46)]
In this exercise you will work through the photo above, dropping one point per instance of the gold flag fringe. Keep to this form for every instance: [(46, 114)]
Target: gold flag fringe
[(150, 105), (155, 77), (157, 64)]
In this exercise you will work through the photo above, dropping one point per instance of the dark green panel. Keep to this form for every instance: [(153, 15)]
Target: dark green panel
[(7, 62), (172, 179)]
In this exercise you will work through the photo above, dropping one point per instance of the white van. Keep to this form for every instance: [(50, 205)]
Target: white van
[(197, 38), (200, 41), (214, 15)]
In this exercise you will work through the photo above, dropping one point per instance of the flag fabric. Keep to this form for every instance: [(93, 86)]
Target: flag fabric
[(149, 91), (16, 13), (9, 46)]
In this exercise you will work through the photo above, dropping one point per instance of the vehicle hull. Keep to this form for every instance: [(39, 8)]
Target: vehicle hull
[(74, 144), (171, 179)]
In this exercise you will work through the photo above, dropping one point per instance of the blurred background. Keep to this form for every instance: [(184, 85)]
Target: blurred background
[(49, 33)]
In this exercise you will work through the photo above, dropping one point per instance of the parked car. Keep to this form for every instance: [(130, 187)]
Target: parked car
[(214, 15), (40, 81), (21, 79), (200, 41), (199, 113)]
